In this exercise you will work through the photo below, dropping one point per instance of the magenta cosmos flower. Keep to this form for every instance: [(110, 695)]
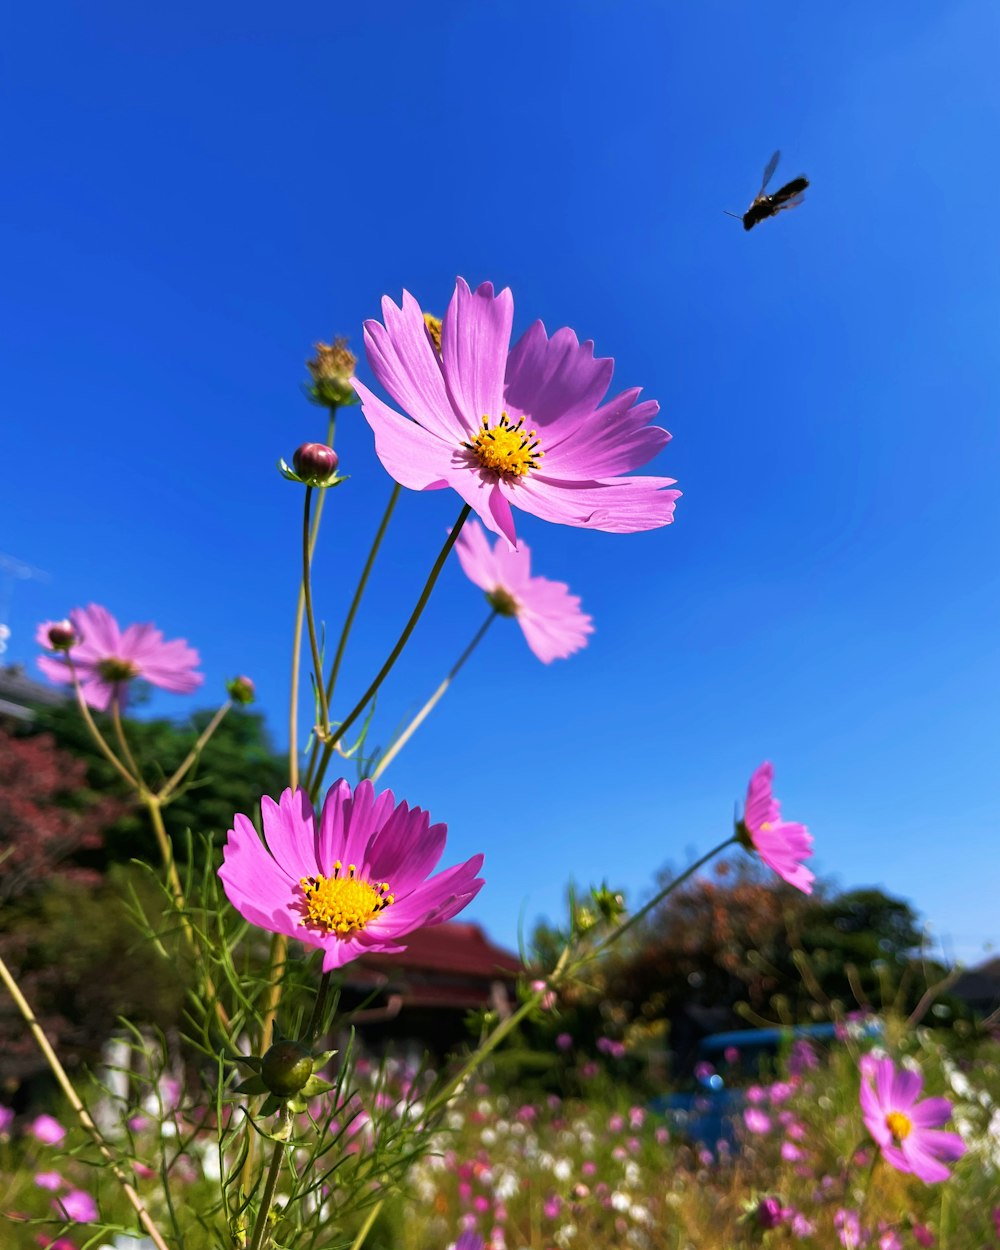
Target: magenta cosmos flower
[(522, 427), (781, 844), (356, 881), (106, 658), (550, 617), (907, 1132)]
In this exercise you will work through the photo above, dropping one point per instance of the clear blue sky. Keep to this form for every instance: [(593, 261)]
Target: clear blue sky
[(194, 193)]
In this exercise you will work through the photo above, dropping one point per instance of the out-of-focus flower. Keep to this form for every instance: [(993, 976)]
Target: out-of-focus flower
[(524, 428), (850, 1233), (77, 1205), (564, 1041), (49, 1180), (356, 881), (548, 999), (6, 1119), (241, 690), (771, 1213), (906, 1131), (549, 616), (56, 635), (781, 844), (107, 659), (469, 1241), (47, 1130), (756, 1121), (332, 373)]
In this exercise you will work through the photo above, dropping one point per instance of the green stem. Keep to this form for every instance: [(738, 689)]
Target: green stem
[(257, 1240), (432, 702), (366, 1227), (319, 1006), (82, 1114), (116, 720), (352, 612), (655, 901), (300, 607), (394, 654), (317, 659), (95, 733), (167, 790)]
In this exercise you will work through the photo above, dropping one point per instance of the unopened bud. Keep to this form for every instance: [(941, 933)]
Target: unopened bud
[(241, 690), (332, 371), (58, 635), (286, 1068), (315, 463)]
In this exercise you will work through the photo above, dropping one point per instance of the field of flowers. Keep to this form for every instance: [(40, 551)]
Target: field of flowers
[(550, 1173)]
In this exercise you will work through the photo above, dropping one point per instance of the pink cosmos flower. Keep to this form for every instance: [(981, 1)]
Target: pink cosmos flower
[(549, 616), (355, 881), (523, 427), (906, 1131), (77, 1205), (49, 1180), (780, 844), (47, 1130), (756, 1121), (107, 658)]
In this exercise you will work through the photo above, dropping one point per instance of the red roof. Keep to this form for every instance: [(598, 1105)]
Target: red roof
[(455, 948)]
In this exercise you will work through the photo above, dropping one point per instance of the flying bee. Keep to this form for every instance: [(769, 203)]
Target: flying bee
[(765, 206)]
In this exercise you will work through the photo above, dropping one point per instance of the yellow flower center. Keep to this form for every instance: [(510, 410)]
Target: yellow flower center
[(433, 325), (114, 669), (503, 602), (343, 904), (899, 1125), (506, 447)]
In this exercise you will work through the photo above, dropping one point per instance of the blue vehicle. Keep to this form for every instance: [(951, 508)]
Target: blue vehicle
[(709, 1114)]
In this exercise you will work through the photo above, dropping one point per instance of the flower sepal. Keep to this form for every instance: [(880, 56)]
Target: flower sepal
[(286, 1074)]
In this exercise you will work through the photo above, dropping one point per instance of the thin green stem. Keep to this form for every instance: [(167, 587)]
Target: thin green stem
[(394, 654), (366, 1227), (432, 702), (655, 901), (82, 1114), (319, 1006), (257, 1240), (171, 785), (352, 612), (116, 720), (95, 733), (317, 659), (300, 608)]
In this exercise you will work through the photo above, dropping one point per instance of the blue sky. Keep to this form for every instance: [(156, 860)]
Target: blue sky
[(194, 194)]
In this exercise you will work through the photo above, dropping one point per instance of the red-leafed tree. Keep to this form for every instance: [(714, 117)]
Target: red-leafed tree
[(49, 818)]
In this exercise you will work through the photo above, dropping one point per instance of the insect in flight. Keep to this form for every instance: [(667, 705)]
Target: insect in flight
[(765, 206)]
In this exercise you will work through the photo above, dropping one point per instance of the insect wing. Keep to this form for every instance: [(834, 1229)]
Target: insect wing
[(771, 166), (789, 191)]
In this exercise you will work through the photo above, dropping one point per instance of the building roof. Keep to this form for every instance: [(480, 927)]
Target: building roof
[(454, 949), (18, 692)]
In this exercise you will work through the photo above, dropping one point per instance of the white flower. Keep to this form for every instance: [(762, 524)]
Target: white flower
[(562, 1169), (620, 1202), (488, 1137)]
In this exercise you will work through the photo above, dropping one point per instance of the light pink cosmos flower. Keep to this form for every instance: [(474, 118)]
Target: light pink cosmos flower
[(355, 881), (107, 658), (908, 1132), (77, 1205), (523, 427), (49, 1180), (47, 1130), (549, 616), (781, 844)]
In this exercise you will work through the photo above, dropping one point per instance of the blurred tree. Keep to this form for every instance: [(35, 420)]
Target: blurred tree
[(237, 766)]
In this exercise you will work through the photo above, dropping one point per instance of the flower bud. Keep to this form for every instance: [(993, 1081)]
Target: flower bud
[(332, 371), (286, 1068), (315, 463), (241, 690), (770, 1213), (58, 635)]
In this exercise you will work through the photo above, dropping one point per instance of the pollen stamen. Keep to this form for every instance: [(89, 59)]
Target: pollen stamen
[(343, 904), (899, 1125), (506, 447)]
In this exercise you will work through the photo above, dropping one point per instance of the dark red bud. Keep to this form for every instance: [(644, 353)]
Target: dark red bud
[(315, 461)]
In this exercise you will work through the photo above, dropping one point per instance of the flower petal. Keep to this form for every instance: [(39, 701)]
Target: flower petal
[(290, 832), (555, 383), (475, 337), (622, 505), (406, 364), (417, 459)]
